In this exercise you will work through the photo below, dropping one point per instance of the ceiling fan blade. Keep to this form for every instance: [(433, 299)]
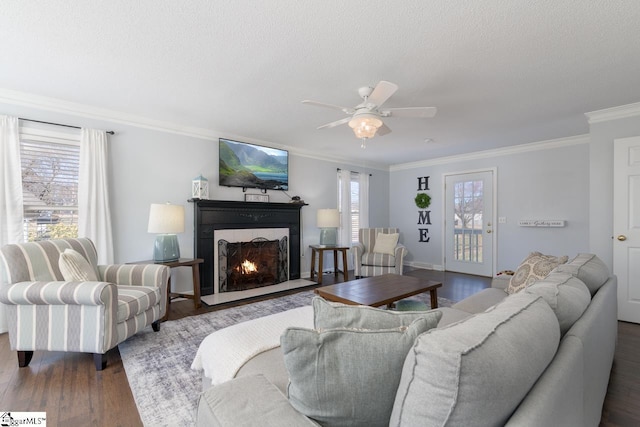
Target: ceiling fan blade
[(382, 92), (336, 123), (383, 130), (419, 112), (346, 110)]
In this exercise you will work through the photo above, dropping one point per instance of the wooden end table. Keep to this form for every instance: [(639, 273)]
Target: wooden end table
[(380, 290), (194, 263), (320, 249)]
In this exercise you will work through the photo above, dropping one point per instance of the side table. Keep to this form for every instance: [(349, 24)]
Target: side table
[(194, 263), (320, 250)]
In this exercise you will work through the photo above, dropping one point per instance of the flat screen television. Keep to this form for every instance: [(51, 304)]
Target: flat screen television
[(252, 166)]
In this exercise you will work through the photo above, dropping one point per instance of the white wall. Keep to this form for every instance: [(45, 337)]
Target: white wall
[(150, 166), (542, 181), (570, 182)]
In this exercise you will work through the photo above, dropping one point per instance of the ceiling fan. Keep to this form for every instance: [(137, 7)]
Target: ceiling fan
[(366, 118)]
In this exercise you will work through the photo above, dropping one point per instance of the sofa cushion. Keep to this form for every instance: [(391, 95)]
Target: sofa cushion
[(133, 300), (451, 315), (567, 296), (330, 315), (251, 400), (386, 243), (347, 377), (480, 301), (534, 267), (269, 363), (75, 268), (588, 268), (476, 371)]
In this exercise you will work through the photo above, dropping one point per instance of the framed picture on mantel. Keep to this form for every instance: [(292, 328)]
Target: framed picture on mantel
[(256, 198)]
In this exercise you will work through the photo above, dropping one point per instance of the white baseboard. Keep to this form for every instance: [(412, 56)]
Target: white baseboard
[(424, 265)]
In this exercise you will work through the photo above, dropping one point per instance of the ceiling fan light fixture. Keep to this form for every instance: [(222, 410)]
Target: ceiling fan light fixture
[(366, 117), (365, 125)]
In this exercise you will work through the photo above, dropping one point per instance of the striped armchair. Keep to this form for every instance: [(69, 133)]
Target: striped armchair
[(368, 263), (45, 312)]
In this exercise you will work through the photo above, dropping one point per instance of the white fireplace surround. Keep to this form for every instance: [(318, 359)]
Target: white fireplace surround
[(246, 235)]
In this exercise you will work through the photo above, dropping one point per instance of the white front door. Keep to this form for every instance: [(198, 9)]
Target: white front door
[(626, 226), (469, 223)]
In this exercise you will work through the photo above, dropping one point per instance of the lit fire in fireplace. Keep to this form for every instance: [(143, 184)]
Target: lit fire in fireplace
[(248, 267)]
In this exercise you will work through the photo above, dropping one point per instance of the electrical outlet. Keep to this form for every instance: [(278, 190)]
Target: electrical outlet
[(502, 220)]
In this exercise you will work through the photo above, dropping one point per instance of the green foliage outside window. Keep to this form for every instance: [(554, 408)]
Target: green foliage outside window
[(36, 232)]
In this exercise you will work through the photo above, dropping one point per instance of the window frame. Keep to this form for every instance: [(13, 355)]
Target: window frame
[(354, 213), (38, 134)]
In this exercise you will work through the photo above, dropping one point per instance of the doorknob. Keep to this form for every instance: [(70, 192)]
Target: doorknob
[(622, 237), (489, 231)]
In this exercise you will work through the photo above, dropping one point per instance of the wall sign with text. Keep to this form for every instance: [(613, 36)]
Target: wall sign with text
[(423, 201), (541, 223)]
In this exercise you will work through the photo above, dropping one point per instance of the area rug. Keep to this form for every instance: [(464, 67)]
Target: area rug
[(158, 364)]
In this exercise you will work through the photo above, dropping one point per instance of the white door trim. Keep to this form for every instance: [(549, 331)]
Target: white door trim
[(494, 239), (626, 226)]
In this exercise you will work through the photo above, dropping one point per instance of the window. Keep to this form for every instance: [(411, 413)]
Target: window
[(468, 205), (350, 196), (50, 163)]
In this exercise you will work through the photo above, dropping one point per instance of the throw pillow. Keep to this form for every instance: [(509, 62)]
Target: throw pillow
[(567, 296), (534, 267), (386, 243), (347, 377), (75, 268), (477, 371), (329, 315), (588, 268)]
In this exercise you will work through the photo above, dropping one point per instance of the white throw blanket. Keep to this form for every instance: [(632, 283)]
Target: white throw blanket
[(224, 352)]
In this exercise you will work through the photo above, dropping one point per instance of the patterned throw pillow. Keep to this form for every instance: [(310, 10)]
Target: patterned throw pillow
[(534, 267)]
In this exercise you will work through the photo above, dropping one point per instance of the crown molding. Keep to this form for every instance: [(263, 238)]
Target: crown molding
[(506, 151), (340, 160), (104, 114), (81, 110), (614, 113)]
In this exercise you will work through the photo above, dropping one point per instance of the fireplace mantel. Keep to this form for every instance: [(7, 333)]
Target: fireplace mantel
[(211, 215)]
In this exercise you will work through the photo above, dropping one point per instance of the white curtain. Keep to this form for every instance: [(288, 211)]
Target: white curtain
[(364, 199), (11, 202), (344, 183), (94, 212)]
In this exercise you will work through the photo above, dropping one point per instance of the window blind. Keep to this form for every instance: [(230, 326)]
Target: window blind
[(50, 188)]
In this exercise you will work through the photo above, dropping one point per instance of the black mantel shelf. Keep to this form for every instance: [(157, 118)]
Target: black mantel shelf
[(211, 215)]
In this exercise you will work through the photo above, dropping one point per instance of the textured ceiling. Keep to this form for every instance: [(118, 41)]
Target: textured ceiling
[(501, 72)]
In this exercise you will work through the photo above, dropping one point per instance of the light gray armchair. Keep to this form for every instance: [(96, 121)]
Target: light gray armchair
[(45, 312), (369, 263)]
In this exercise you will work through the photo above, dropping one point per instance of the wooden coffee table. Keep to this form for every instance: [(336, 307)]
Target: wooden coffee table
[(379, 290)]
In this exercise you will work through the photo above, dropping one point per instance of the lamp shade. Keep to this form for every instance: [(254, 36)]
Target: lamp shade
[(328, 218), (328, 221), (365, 125), (166, 219)]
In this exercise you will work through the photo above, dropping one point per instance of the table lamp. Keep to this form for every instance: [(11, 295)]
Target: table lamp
[(166, 220), (328, 221)]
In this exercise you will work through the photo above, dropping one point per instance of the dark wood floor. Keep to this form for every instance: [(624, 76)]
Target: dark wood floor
[(68, 388)]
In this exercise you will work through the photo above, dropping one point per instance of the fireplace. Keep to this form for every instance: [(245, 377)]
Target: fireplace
[(254, 264), (223, 219)]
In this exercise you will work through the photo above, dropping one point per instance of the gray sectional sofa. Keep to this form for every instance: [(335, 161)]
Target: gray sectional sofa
[(538, 357)]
